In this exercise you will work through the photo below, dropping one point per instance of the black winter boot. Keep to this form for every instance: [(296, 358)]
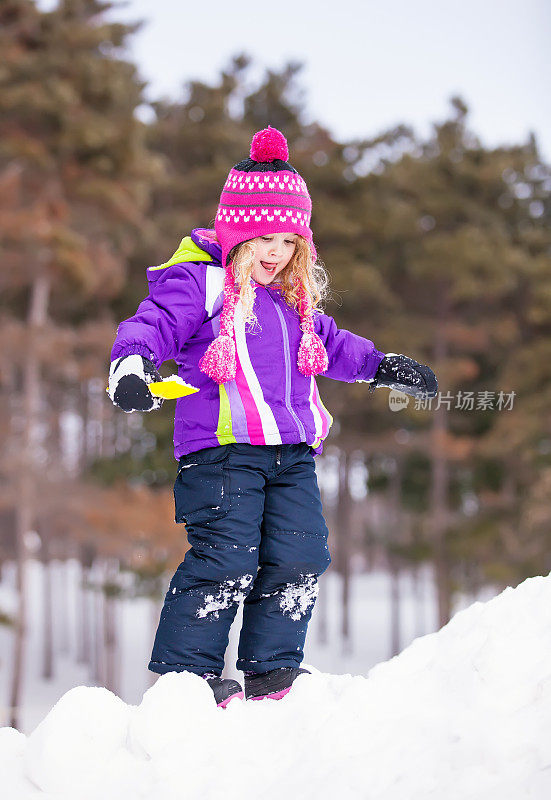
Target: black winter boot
[(224, 689), (273, 684)]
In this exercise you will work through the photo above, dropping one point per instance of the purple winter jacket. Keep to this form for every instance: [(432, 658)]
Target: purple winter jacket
[(270, 401)]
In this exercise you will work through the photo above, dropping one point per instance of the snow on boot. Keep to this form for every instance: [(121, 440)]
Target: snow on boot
[(273, 684), (224, 689)]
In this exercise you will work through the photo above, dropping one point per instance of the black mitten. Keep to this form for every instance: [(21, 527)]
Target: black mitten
[(128, 379), (402, 373)]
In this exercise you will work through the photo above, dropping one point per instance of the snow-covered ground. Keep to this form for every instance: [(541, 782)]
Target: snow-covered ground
[(461, 714), (137, 619)]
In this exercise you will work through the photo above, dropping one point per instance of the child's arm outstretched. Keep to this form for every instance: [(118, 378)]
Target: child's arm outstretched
[(351, 357), (355, 359)]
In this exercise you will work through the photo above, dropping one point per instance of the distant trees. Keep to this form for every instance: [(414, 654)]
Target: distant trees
[(74, 173), (455, 245)]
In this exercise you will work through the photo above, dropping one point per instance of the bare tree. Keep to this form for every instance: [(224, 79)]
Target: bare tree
[(36, 320), (344, 547)]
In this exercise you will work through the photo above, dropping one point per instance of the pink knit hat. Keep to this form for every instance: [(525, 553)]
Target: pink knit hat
[(263, 194)]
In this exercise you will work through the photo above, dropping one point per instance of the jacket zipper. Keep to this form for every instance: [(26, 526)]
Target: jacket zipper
[(278, 455), (288, 370)]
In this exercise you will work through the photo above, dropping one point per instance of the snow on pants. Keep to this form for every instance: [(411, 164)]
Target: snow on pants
[(254, 521)]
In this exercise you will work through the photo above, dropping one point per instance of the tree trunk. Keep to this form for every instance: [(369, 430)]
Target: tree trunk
[(440, 481), (36, 319), (395, 538), (155, 613), (98, 668), (343, 549), (418, 600), (63, 598), (110, 608), (83, 634), (322, 630), (81, 404), (47, 600), (86, 604), (394, 607), (321, 612)]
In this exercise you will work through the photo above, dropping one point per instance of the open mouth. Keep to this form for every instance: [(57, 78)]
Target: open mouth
[(270, 268)]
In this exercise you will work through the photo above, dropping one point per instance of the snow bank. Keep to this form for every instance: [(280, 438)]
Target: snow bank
[(464, 713)]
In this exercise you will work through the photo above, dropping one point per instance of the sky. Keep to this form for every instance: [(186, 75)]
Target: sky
[(368, 64)]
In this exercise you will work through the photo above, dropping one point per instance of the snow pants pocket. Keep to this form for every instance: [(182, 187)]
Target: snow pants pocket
[(201, 489)]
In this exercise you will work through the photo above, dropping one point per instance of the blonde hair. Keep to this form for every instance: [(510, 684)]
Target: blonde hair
[(302, 272)]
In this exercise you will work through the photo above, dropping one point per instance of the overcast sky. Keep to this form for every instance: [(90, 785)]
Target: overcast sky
[(369, 64)]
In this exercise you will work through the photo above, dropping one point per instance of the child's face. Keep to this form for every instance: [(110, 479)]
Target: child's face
[(274, 249)]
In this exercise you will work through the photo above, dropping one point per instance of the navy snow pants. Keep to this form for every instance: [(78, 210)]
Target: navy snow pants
[(254, 521)]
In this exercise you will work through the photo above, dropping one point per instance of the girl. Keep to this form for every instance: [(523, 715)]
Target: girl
[(237, 308)]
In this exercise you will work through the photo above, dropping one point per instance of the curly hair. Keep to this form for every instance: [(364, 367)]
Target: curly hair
[(301, 271)]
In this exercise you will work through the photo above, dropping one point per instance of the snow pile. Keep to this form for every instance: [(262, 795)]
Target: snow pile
[(464, 713)]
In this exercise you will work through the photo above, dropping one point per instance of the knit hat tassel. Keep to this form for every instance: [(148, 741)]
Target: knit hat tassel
[(220, 360), (312, 355)]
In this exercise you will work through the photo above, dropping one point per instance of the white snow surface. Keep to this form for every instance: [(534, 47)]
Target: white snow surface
[(461, 714)]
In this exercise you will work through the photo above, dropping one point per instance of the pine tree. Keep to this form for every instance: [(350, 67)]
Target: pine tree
[(74, 170)]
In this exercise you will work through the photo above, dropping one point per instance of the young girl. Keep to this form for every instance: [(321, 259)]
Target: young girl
[(237, 308)]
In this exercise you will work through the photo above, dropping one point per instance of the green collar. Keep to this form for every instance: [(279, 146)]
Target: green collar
[(187, 251)]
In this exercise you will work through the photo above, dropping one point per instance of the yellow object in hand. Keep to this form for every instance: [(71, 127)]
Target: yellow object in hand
[(171, 389)]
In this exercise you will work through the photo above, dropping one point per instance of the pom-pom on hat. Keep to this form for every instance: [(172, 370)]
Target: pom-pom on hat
[(263, 194), (269, 145)]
